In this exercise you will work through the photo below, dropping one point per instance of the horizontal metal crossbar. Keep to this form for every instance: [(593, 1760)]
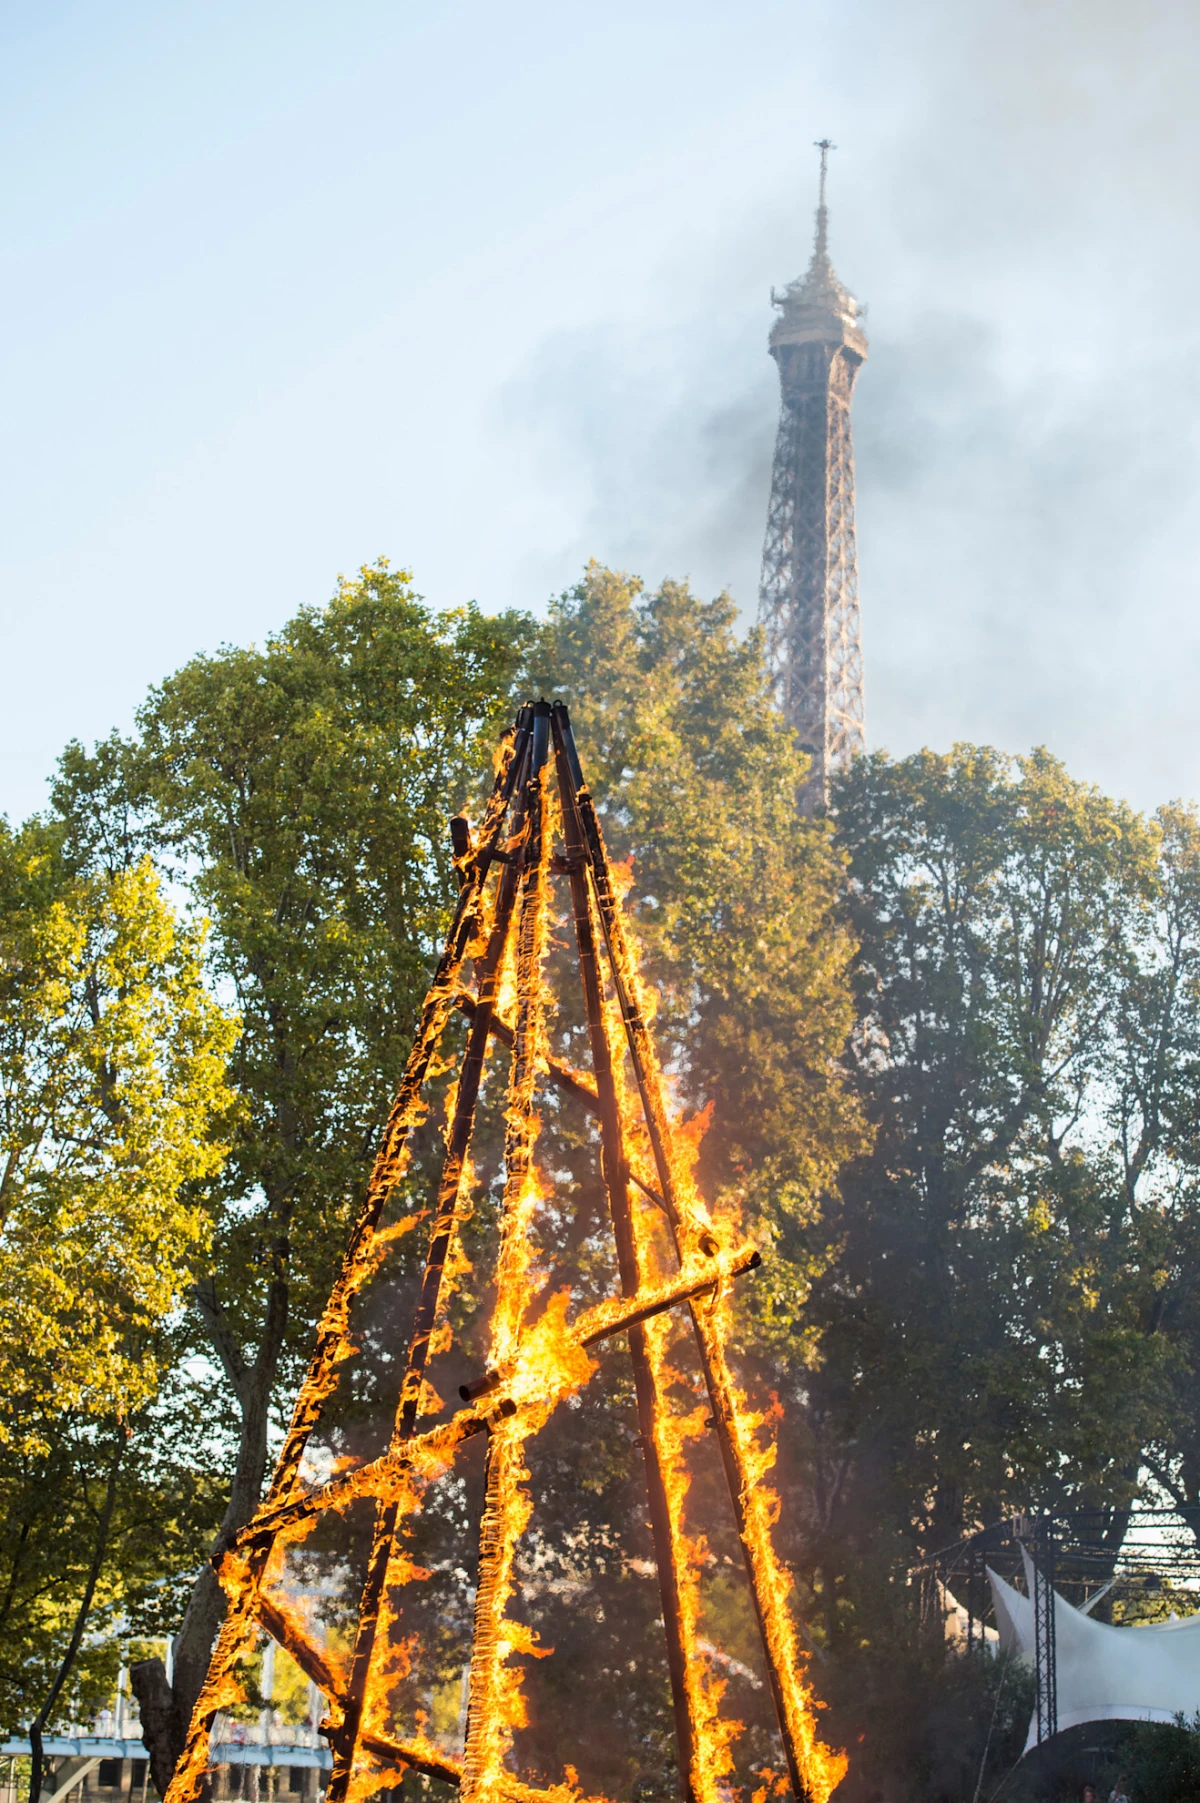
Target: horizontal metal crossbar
[(421, 1755), (423, 1452)]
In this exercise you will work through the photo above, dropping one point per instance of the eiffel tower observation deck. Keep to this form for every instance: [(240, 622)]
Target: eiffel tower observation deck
[(808, 600)]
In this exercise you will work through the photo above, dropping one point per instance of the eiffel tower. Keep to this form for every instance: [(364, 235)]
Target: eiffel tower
[(670, 1256), (808, 599)]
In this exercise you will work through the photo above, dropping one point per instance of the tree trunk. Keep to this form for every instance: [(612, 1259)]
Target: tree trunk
[(37, 1726), (1104, 1540), (166, 1709), (162, 1731), (946, 1520)]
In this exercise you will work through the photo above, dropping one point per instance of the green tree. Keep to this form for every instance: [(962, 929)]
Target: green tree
[(1155, 1121), (1001, 909), (739, 905), (299, 792), (112, 1079), (993, 1328), (738, 909), (739, 913), (113, 1113), (60, 1550)]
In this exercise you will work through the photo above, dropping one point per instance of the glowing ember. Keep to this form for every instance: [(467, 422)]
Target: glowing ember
[(671, 1256)]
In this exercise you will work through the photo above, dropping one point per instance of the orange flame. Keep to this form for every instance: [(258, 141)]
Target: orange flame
[(821, 1768), (496, 1705), (388, 1670), (681, 1256), (713, 1735)]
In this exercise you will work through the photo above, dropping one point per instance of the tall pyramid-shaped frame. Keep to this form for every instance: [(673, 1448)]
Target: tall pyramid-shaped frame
[(500, 926)]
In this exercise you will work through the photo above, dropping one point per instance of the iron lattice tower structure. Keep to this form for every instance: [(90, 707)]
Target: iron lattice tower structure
[(808, 601)]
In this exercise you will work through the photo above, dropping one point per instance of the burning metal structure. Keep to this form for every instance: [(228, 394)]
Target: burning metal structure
[(671, 1257), (808, 599)]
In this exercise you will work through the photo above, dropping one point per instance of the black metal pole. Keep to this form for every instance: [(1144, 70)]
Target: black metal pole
[(1045, 1640)]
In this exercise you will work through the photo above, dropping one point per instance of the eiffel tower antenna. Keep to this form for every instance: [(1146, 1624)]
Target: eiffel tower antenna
[(676, 1268), (824, 145), (808, 598)]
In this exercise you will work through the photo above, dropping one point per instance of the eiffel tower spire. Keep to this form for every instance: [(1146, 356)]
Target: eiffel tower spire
[(808, 600)]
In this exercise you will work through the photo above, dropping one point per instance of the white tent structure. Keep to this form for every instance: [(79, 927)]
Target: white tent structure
[(1145, 1673)]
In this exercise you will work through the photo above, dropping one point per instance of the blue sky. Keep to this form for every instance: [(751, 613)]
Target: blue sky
[(485, 289)]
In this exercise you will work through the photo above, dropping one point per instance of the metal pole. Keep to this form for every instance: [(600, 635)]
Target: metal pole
[(717, 1377), (189, 1778), (1045, 1640), (504, 1462), (615, 1168), (388, 1514)]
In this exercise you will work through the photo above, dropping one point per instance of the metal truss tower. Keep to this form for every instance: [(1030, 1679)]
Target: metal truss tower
[(808, 601), (675, 1265)]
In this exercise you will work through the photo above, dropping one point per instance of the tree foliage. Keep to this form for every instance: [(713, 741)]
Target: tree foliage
[(940, 1049), (114, 1113), (743, 939), (299, 792), (112, 1103), (1002, 909), (737, 903), (52, 1493), (737, 909), (1002, 1327)]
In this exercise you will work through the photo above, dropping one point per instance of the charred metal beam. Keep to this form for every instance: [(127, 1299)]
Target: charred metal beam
[(686, 1289), (500, 1523), (617, 1173), (569, 1081), (445, 1216), (773, 1626), (480, 1386)]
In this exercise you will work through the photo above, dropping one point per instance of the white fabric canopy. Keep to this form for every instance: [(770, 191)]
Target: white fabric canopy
[(1141, 1674)]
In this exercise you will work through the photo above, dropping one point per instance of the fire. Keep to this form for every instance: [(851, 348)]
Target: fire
[(495, 1701), (816, 1769), (672, 1255), (712, 1736), (388, 1670), (506, 1000), (712, 1760), (822, 1768)]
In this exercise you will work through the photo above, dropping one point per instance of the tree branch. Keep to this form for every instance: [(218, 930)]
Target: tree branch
[(216, 1323)]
